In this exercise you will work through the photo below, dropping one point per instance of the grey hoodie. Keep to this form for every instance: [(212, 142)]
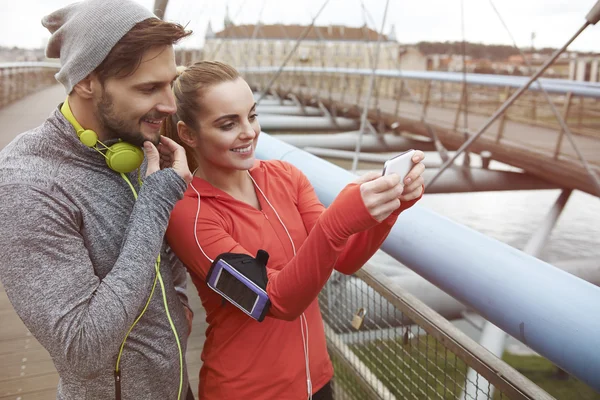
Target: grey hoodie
[(77, 256)]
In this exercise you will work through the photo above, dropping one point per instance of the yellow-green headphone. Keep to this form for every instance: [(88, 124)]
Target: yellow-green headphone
[(121, 157)]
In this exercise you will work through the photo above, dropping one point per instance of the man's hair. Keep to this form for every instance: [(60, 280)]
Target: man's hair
[(125, 57)]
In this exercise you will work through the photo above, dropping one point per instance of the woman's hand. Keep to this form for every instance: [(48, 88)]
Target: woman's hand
[(380, 194), (413, 182)]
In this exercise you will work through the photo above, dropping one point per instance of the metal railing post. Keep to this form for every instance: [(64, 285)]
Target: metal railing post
[(566, 110)]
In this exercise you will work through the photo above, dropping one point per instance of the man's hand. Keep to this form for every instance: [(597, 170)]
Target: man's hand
[(413, 182), (168, 155)]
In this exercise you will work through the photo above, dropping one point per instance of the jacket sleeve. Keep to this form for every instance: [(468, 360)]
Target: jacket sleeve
[(291, 288), (360, 246), (49, 278)]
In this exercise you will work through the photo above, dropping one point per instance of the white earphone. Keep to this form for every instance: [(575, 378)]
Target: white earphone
[(303, 321)]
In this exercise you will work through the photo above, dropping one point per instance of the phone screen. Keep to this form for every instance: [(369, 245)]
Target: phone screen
[(236, 290)]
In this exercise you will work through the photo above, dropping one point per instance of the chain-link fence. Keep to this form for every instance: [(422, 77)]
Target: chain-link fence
[(386, 344)]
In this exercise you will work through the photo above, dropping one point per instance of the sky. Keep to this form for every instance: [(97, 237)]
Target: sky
[(553, 21)]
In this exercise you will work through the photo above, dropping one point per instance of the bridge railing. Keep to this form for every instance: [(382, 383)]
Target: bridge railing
[(17, 80), (414, 354), (402, 349), (418, 93), (490, 277)]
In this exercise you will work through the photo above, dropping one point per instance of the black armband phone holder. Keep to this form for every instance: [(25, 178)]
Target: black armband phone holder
[(242, 280)]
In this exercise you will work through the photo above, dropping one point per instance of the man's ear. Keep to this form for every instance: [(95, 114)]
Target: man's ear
[(86, 87), (186, 134)]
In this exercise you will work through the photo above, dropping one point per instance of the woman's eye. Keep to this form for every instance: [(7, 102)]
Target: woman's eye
[(227, 127), (253, 117)]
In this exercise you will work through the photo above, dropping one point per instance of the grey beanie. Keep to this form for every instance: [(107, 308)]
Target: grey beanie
[(84, 33)]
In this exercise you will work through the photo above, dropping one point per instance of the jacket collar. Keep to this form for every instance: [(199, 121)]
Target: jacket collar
[(207, 190)]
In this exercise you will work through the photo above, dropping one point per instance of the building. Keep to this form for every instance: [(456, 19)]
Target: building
[(585, 69), (512, 65), (411, 59), (323, 46), (15, 54), (448, 62)]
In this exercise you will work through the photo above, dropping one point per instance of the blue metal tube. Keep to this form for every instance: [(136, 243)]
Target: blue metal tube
[(551, 311), (557, 86)]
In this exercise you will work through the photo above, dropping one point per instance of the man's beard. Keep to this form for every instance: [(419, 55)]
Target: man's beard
[(116, 128)]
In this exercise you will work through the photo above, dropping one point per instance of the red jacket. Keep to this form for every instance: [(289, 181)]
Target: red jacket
[(246, 359)]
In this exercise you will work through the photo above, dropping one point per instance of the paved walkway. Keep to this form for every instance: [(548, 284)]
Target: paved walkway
[(28, 112), (27, 372)]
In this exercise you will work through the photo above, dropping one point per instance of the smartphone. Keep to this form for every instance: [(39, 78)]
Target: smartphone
[(400, 164), (238, 289)]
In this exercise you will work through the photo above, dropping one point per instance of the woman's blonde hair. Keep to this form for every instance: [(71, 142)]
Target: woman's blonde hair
[(189, 88)]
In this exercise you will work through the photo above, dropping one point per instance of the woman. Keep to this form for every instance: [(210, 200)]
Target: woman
[(246, 205)]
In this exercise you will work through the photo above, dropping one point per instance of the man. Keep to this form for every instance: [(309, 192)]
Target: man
[(79, 252)]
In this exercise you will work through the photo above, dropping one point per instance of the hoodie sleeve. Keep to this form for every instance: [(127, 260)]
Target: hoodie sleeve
[(50, 280), (292, 287), (361, 246)]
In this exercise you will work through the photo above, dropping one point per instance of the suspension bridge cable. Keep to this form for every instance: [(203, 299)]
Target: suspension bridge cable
[(363, 118), (300, 39), (507, 104), (214, 53), (561, 120), (443, 153), (465, 93)]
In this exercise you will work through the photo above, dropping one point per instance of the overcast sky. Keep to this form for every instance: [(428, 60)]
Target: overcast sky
[(553, 21)]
